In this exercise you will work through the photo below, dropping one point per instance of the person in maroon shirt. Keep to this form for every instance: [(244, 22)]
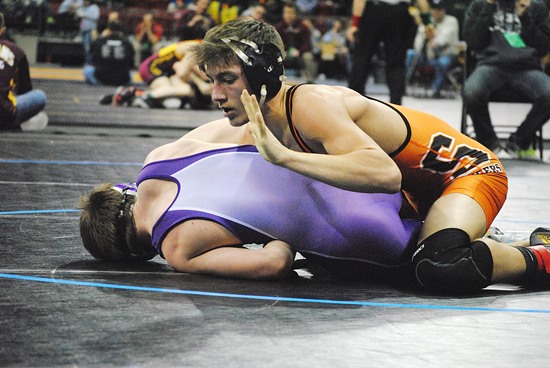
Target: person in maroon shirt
[(20, 106), (298, 46), (193, 22)]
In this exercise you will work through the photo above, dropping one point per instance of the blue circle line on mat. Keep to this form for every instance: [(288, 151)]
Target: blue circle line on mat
[(267, 297)]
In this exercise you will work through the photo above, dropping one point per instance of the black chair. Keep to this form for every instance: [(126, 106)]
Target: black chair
[(504, 96)]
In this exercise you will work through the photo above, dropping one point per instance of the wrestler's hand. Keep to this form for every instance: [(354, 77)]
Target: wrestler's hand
[(267, 144)]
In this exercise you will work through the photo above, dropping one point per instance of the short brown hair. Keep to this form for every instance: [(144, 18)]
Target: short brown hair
[(213, 51), (107, 235)]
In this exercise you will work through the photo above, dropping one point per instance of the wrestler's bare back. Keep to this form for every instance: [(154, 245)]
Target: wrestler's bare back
[(324, 104)]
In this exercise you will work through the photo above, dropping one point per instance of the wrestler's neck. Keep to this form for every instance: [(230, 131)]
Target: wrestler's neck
[(140, 218), (274, 110)]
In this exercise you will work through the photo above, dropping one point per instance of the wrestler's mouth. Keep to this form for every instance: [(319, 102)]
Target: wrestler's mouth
[(226, 111)]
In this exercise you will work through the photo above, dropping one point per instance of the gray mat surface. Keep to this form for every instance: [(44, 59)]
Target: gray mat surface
[(60, 308)]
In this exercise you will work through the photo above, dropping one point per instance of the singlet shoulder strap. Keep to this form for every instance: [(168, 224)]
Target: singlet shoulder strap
[(293, 130)]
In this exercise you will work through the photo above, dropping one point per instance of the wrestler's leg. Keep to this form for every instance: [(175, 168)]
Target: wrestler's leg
[(170, 87), (459, 211), (159, 82)]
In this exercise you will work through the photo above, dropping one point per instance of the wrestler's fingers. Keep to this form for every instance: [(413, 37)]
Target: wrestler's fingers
[(245, 99), (248, 105)]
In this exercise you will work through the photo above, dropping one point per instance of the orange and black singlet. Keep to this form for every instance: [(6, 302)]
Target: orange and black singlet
[(436, 160)]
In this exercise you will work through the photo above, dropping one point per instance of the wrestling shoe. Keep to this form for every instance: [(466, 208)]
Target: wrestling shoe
[(514, 150), (539, 244), (106, 100), (528, 154), (124, 96), (147, 102), (506, 237)]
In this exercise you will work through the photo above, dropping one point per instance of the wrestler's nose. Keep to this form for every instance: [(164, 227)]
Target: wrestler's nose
[(218, 94)]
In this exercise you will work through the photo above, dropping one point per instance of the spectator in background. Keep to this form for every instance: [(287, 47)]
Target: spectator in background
[(298, 46), (334, 51), (148, 34), (35, 13), (89, 15), (438, 49), (113, 17), (307, 6), (192, 23), (222, 11), (255, 11), (66, 19), (274, 10), (509, 38), (175, 5), (387, 22), (112, 58), (20, 106)]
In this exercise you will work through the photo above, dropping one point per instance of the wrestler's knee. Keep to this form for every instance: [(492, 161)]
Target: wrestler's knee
[(448, 262)]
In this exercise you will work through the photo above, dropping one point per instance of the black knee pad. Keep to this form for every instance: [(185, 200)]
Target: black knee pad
[(447, 262)]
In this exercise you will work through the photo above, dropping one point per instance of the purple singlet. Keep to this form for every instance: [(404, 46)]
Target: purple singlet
[(258, 202)]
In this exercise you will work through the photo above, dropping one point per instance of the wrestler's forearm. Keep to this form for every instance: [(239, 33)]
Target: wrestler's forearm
[(273, 261), (366, 170)]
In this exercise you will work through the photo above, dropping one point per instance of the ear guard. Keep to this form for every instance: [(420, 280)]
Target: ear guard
[(263, 66)]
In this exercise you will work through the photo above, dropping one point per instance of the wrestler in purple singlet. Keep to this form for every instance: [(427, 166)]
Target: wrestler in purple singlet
[(258, 202)]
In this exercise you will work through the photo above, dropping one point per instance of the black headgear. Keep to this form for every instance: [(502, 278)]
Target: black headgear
[(263, 66)]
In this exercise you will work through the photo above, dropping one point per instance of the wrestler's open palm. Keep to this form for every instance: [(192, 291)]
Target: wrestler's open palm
[(267, 144)]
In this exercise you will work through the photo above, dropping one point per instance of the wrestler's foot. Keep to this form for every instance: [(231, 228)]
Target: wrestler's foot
[(146, 101), (106, 100), (124, 96), (540, 236), (539, 244)]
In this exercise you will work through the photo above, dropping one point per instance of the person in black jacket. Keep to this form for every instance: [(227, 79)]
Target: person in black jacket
[(509, 38), (112, 58)]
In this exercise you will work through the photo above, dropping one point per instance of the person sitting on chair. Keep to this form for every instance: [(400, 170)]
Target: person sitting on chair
[(437, 49), (509, 38)]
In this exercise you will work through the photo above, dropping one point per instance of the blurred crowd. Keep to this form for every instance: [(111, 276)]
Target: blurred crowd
[(314, 32)]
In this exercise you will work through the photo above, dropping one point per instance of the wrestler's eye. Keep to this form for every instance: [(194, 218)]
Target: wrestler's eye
[(229, 80)]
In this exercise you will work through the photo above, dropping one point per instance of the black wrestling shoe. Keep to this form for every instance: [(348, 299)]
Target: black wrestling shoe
[(124, 96), (147, 102), (106, 100), (540, 236), (539, 244)]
